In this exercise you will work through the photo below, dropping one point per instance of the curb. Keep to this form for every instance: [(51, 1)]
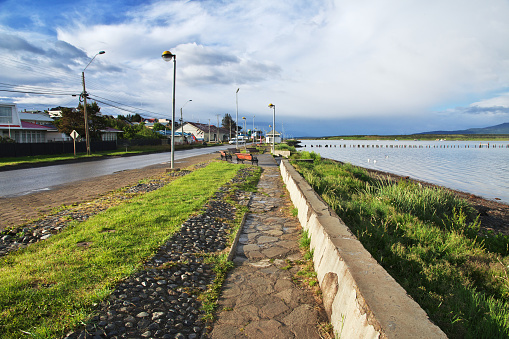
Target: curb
[(233, 248), (361, 299)]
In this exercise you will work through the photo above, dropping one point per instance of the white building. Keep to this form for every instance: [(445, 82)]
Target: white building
[(273, 135), (205, 132), (23, 127)]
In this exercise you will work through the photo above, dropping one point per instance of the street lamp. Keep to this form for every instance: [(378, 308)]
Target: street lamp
[(237, 120), (254, 135), (182, 120), (273, 128), (168, 56), (245, 132), (84, 96)]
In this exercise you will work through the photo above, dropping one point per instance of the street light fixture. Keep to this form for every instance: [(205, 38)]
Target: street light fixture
[(168, 56), (182, 120), (273, 128), (84, 96)]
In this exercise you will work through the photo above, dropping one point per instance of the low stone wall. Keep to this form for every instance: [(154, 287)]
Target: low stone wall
[(361, 299), (285, 154)]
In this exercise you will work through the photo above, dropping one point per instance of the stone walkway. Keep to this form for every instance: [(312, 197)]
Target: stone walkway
[(260, 298)]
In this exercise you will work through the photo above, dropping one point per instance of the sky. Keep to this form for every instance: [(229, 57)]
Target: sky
[(330, 67)]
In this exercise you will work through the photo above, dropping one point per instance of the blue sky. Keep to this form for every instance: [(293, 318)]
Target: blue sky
[(330, 67)]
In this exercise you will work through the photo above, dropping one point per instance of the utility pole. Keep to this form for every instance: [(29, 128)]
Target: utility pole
[(230, 135), (217, 127), (84, 95), (237, 120), (209, 130)]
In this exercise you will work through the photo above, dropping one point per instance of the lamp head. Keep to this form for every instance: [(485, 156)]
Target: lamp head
[(167, 56), (271, 105), (237, 90), (101, 52)]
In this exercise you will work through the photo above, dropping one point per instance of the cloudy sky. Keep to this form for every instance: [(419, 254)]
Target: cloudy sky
[(330, 67)]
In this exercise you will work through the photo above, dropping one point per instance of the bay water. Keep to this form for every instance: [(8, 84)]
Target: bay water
[(480, 168)]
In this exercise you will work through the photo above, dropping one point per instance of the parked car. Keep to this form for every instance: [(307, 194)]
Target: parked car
[(234, 140)]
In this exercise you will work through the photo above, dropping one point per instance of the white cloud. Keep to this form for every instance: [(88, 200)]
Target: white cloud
[(324, 59), (501, 100)]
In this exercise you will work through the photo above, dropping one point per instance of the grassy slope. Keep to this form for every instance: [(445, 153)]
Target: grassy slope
[(53, 285), (428, 240)]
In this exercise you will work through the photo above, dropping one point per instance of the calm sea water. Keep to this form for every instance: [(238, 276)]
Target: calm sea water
[(460, 165)]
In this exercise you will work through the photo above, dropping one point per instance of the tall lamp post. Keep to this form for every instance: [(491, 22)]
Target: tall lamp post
[(230, 135), (182, 120), (254, 135), (237, 120), (273, 127), (84, 96), (168, 56), (245, 132)]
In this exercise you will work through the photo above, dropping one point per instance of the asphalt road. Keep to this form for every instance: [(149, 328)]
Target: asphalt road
[(25, 181)]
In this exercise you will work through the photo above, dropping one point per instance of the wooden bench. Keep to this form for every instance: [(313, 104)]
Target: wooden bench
[(245, 156), (252, 149), (226, 156)]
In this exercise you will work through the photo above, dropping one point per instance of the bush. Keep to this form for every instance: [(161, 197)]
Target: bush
[(285, 147)]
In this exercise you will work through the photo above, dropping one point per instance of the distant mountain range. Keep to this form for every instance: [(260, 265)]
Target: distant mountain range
[(498, 129)]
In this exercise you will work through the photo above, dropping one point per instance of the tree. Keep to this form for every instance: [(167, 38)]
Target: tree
[(73, 119), (132, 131), (70, 120), (135, 118), (158, 127), (227, 122)]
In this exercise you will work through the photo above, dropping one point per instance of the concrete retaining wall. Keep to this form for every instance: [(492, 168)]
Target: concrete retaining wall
[(282, 153), (361, 299)]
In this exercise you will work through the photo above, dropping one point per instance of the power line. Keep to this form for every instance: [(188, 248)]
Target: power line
[(32, 92), (108, 104), (119, 103), (32, 89), (33, 68)]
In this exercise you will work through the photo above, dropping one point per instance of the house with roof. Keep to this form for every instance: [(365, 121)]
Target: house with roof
[(55, 112), (187, 139), (36, 127), (273, 135), (23, 127), (205, 132)]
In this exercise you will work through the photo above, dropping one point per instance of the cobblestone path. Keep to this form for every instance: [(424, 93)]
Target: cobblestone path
[(260, 298)]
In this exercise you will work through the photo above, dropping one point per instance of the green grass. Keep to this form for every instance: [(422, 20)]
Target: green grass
[(306, 155), (221, 266), (53, 285), (220, 261), (429, 240), (307, 272), (285, 147)]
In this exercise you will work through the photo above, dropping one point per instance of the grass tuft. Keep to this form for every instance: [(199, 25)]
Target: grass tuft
[(429, 240)]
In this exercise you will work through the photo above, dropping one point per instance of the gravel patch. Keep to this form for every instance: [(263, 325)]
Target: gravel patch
[(161, 300), (44, 228)]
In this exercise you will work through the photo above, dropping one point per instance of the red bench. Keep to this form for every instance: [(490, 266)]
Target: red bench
[(226, 156), (245, 156)]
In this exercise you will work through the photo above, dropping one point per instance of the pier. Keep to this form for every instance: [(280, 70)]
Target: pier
[(481, 145)]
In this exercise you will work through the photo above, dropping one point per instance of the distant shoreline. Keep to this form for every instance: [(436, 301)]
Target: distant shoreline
[(418, 137)]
